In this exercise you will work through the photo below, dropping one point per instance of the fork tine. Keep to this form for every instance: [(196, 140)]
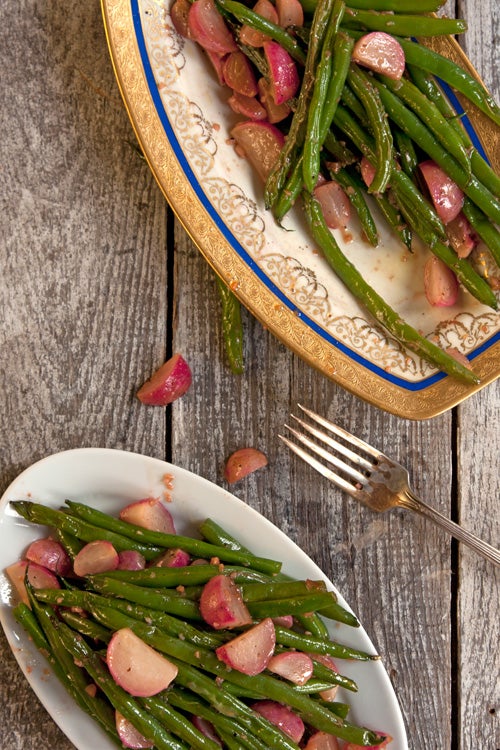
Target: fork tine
[(355, 475), (321, 468), (369, 449), (339, 447)]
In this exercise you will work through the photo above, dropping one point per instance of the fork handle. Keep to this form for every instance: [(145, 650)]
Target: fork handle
[(413, 502)]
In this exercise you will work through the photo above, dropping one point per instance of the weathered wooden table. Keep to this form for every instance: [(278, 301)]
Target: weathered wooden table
[(98, 284)]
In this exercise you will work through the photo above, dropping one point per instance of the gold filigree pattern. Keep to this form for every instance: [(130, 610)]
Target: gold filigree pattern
[(301, 281)]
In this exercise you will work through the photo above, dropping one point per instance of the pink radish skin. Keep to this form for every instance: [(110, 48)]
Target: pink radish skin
[(136, 667), (440, 283), (284, 621), (381, 53), (282, 717), (334, 203), (171, 381), (447, 197), (238, 74), (323, 741), (252, 37), (172, 558), (327, 661), (290, 13), (243, 462), (208, 28), (248, 106), (130, 559), (367, 171), (294, 666), (51, 555), (251, 651), (206, 728), (38, 576), (217, 61), (129, 735), (149, 513), (283, 73), (96, 557), (260, 143), (221, 604)]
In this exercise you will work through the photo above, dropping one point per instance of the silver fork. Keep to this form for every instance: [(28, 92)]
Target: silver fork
[(374, 479)]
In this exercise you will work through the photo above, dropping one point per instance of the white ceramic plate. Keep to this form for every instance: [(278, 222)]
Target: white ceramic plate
[(183, 122), (108, 479)]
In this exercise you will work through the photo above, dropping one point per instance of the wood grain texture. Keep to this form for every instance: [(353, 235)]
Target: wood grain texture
[(84, 320)]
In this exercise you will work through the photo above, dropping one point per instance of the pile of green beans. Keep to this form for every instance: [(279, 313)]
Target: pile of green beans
[(72, 626), (395, 125)]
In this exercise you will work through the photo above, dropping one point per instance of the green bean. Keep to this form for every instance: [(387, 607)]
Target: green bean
[(483, 228), (85, 626), (363, 87), (216, 534), (185, 575), (322, 672), (431, 116), (176, 541), (310, 643), (406, 150), (294, 140), (398, 6), (352, 102), (454, 75), (178, 724), (231, 327), (354, 191), (166, 601), (413, 126), (258, 22), (342, 49), (25, 617), (402, 24), (394, 218), (257, 592), (71, 544), (378, 308), (290, 605), (315, 129), (290, 192)]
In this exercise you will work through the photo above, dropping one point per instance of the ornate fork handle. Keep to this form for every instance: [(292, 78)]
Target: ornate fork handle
[(412, 502)]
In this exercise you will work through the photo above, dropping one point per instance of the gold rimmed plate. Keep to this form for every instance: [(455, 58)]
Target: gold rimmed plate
[(182, 120)]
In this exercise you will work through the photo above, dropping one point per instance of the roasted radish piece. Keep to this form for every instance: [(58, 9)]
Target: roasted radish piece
[(221, 604), (38, 576), (130, 559), (248, 106), (169, 382), (367, 171), (381, 53), (284, 621), (275, 112), (136, 667), (51, 555), (252, 37), (179, 14), (282, 717), (292, 665), (290, 13), (447, 197), (251, 651), (323, 741), (440, 283), (208, 28), (238, 74), (96, 557), (150, 513), (172, 558), (129, 735), (260, 143), (283, 75), (460, 235), (243, 462), (334, 203), (206, 728)]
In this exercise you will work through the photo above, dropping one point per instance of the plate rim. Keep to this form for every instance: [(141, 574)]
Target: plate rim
[(22, 647), (420, 400)]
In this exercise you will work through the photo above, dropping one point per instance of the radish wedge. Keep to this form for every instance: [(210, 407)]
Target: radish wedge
[(208, 28), (221, 604), (440, 283), (130, 559), (447, 197), (323, 741), (38, 576), (292, 665), (149, 513), (260, 143), (252, 37), (172, 558), (96, 557), (238, 74), (129, 735), (334, 203), (51, 555), (136, 667), (168, 383), (282, 717), (251, 651), (381, 53), (283, 74), (243, 462)]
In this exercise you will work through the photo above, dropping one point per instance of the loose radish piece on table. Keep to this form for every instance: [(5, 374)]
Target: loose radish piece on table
[(447, 197), (440, 283), (334, 203), (136, 667), (38, 576), (251, 651), (149, 513), (292, 665), (168, 383), (243, 462), (221, 604), (381, 53), (172, 558), (96, 557), (283, 75), (282, 717), (208, 28), (51, 555), (130, 559), (260, 143), (323, 741), (129, 735), (252, 37)]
